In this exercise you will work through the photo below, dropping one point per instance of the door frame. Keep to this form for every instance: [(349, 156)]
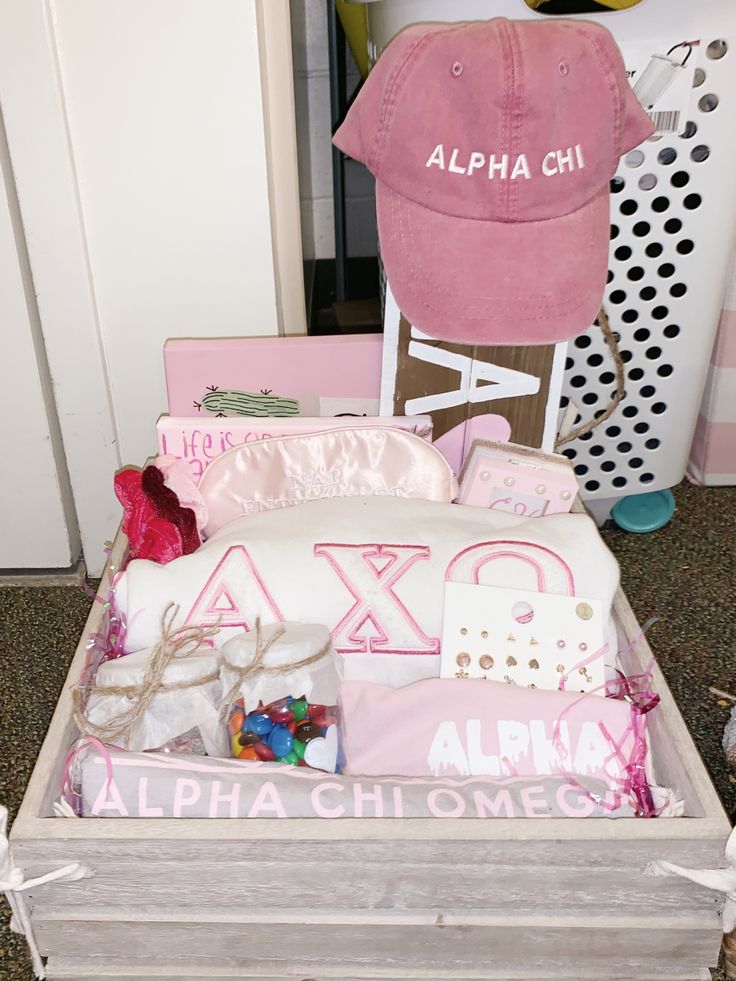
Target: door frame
[(279, 114), (31, 89)]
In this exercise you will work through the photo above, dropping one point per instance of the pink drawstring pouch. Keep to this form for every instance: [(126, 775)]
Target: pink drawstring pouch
[(288, 470)]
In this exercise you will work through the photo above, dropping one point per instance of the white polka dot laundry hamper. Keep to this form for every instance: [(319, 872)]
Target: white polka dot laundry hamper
[(673, 228)]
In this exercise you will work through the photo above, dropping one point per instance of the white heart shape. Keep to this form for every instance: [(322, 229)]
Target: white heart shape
[(321, 753)]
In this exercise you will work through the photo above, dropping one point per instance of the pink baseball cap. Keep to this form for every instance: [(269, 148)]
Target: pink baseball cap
[(493, 144)]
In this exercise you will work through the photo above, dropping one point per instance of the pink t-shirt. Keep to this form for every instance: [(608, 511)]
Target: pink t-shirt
[(449, 727)]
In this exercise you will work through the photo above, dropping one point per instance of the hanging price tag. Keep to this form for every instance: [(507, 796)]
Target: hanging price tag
[(662, 82)]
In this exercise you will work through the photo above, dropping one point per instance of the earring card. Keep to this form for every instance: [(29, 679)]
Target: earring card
[(522, 638)]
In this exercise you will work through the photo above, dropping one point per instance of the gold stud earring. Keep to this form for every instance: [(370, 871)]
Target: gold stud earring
[(533, 642), (561, 668), (584, 611), (511, 661), (511, 639), (463, 630), (484, 634), (534, 664), (463, 659), (485, 661)]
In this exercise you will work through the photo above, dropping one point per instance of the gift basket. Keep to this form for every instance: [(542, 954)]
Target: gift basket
[(323, 617)]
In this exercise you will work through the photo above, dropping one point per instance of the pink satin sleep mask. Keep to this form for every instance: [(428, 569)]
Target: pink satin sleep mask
[(287, 470)]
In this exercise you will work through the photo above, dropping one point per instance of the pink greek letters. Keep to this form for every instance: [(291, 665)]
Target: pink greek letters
[(547, 571), (234, 595), (378, 621)]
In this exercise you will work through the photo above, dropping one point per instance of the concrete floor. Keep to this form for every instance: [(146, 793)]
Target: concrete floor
[(685, 574)]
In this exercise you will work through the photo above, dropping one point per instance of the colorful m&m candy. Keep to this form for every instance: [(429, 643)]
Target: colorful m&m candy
[(282, 731)]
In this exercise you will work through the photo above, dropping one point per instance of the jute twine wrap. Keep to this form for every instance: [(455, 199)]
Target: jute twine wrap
[(610, 338), (257, 666), (175, 644)]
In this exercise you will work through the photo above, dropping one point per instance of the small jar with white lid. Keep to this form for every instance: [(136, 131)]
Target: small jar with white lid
[(181, 712), (281, 685)]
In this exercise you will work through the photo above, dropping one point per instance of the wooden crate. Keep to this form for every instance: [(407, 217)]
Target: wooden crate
[(362, 900)]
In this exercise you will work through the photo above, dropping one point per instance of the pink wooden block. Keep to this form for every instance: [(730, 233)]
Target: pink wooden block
[(344, 370), (514, 478)]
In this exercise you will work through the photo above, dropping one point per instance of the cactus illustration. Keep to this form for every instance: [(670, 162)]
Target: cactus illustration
[(222, 402)]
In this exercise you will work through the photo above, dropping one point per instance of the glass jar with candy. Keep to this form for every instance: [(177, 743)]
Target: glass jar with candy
[(263, 672), (289, 730)]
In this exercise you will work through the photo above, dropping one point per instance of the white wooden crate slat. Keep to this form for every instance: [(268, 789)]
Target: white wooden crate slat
[(407, 946), (521, 887), (75, 970)]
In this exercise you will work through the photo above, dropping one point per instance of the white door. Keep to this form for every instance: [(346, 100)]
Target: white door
[(154, 152), (39, 529)]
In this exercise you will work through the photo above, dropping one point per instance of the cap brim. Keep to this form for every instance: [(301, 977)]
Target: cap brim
[(487, 282)]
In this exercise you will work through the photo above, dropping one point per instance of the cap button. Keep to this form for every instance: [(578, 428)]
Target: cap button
[(457, 69)]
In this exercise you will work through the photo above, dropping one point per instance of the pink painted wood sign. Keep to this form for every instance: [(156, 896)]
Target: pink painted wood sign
[(199, 440), (274, 376)]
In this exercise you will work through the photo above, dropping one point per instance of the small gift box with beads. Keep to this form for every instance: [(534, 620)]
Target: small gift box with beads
[(508, 477)]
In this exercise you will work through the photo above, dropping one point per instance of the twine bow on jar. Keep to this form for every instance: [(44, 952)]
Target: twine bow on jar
[(257, 665), (175, 644)]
